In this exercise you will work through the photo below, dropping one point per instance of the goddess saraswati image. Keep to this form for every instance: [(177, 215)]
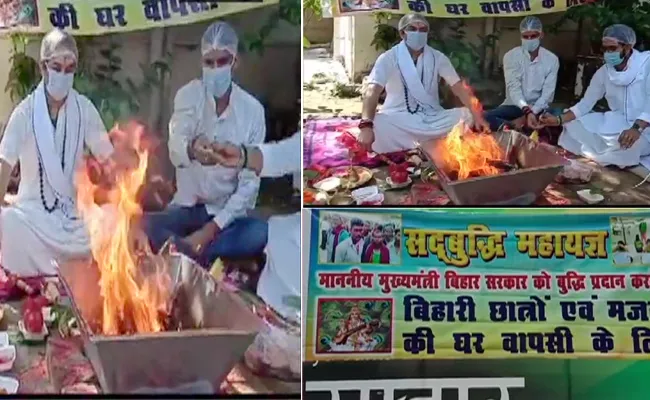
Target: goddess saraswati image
[(355, 334), (354, 327)]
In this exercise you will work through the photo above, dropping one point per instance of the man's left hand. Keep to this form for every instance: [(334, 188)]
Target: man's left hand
[(201, 238), (628, 138)]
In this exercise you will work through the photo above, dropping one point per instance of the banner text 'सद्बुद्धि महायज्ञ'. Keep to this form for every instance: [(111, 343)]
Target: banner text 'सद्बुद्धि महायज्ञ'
[(486, 284)]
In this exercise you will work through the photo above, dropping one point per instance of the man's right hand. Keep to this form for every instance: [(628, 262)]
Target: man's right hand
[(201, 151), (548, 119), (367, 138), (532, 122)]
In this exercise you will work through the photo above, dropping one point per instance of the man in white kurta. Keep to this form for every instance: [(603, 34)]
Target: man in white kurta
[(531, 77), (47, 133), (411, 114), (207, 218), (280, 281), (620, 136), (350, 250)]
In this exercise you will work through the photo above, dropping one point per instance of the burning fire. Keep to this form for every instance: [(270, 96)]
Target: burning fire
[(133, 301), (467, 154)]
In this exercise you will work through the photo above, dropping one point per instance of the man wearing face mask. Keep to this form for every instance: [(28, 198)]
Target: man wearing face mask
[(47, 133), (410, 73), (207, 218), (531, 76), (617, 137)]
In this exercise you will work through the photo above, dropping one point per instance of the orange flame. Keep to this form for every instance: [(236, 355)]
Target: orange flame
[(132, 298), (477, 107), (468, 154)]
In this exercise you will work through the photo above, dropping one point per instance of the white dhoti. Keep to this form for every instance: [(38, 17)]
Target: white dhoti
[(279, 286), (401, 130), (604, 149), (35, 242)]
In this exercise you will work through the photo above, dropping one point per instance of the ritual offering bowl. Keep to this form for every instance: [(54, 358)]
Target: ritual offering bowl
[(352, 177), (341, 200), (314, 197), (399, 174)]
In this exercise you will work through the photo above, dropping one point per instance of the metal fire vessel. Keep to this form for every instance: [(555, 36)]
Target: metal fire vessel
[(538, 166), (219, 328)]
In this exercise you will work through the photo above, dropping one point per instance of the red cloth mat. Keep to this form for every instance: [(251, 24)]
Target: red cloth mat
[(67, 364), (35, 378)]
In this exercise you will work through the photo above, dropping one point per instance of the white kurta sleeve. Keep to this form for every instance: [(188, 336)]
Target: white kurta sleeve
[(14, 136), (446, 70), (339, 254), (548, 88), (594, 93), (381, 70), (645, 115), (513, 74), (96, 137), (248, 183), (281, 158), (182, 126)]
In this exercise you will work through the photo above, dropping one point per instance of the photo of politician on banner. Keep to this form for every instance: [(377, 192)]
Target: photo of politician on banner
[(489, 283), (345, 238)]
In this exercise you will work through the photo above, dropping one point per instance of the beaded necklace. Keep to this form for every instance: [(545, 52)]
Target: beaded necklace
[(55, 205), (406, 93)]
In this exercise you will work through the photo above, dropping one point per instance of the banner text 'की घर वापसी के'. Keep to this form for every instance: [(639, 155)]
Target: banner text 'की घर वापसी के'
[(408, 284), (450, 8), (99, 17)]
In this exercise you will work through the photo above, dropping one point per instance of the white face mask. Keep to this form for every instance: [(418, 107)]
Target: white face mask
[(530, 45), (217, 80), (416, 40), (59, 84)]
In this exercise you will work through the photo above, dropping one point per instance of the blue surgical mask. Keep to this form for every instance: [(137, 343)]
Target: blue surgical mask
[(416, 40), (58, 84), (613, 58), (217, 80), (530, 45)]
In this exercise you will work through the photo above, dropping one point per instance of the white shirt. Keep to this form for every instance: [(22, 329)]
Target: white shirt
[(348, 252), (637, 105), (530, 82), (387, 74), (226, 193), (394, 254), (280, 279)]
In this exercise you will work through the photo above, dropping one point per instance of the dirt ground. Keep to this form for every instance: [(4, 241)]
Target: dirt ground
[(319, 101)]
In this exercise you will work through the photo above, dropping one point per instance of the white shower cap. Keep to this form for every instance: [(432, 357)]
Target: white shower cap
[(408, 19), (530, 24), (621, 33), (58, 43), (219, 36)]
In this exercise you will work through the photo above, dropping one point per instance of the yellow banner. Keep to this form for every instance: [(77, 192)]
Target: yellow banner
[(99, 17), (455, 9)]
